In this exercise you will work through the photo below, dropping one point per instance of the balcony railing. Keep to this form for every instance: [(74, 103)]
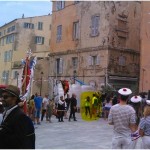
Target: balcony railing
[(16, 65)]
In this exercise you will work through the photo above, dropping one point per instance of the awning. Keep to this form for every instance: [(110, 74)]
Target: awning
[(3, 86), (123, 78)]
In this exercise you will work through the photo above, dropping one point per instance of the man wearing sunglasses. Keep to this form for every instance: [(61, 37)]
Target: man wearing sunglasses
[(16, 129)]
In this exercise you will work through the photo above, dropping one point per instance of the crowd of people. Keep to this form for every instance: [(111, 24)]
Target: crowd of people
[(129, 116), (129, 121), (39, 107)]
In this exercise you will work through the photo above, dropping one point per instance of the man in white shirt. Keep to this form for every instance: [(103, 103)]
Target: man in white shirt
[(44, 106), (123, 117)]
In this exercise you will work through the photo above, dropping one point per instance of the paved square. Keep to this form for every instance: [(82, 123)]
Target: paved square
[(74, 135)]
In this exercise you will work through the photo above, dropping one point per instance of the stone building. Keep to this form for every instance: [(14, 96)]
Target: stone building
[(145, 46), (16, 38), (97, 42)]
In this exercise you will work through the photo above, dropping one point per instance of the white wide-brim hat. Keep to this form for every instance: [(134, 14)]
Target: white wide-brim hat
[(125, 91), (136, 99), (148, 102)]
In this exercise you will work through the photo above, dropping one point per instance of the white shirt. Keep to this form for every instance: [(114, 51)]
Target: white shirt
[(45, 102)]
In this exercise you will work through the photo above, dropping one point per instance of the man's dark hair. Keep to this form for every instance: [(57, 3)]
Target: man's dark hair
[(124, 98)]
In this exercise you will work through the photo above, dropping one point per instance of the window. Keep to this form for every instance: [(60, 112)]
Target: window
[(122, 60), (59, 33), (5, 76), (10, 29), (59, 66), (40, 25), (28, 25), (10, 38), (60, 5), (74, 62), (7, 56), (93, 60), (3, 40), (76, 30), (76, 2), (95, 26), (39, 40)]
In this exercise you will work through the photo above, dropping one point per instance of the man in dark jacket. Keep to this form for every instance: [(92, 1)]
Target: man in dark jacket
[(16, 129), (73, 107)]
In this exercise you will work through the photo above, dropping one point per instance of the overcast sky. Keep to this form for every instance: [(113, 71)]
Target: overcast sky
[(11, 10)]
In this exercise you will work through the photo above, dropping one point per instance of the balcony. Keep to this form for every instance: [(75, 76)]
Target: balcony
[(16, 65)]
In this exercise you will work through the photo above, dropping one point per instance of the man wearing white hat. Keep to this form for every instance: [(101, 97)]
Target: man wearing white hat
[(122, 116), (136, 104)]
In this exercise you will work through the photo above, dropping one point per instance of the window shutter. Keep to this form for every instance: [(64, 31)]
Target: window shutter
[(55, 66), (58, 5), (5, 56), (42, 40), (60, 32), (63, 4), (98, 60), (61, 66), (90, 60), (10, 54), (77, 31), (96, 24), (92, 27), (7, 77)]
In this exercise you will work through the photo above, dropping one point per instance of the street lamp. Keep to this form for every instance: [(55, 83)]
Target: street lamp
[(41, 83), (74, 75), (17, 78), (143, 70)]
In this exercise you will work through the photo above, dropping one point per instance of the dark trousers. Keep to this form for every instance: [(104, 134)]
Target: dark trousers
[(60, 115), (72, 112), (87, 109), (43, 114)]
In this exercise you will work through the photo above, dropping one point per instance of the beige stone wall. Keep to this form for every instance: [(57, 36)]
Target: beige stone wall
[(24, 40), (41, 66), (145, 46)]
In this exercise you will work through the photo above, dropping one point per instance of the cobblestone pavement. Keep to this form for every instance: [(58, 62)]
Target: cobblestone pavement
[(74, 135)]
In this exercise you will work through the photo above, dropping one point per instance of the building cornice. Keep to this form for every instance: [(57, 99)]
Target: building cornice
[(89, 49)]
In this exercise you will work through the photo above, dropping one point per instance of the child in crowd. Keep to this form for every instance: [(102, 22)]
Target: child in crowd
[(50, 108), (144, 127), (107, 107)]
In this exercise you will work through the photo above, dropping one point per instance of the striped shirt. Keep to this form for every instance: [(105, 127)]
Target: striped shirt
[(121, 116), (145, 125)]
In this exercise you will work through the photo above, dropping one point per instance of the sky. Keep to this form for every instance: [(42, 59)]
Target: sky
[(11, 10)]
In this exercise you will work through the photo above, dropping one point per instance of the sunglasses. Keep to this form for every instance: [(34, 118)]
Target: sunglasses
[(6, 96)]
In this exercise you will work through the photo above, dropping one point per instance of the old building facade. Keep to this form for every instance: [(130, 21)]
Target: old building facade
[(145, 46), (16, 38), (97, 42)]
